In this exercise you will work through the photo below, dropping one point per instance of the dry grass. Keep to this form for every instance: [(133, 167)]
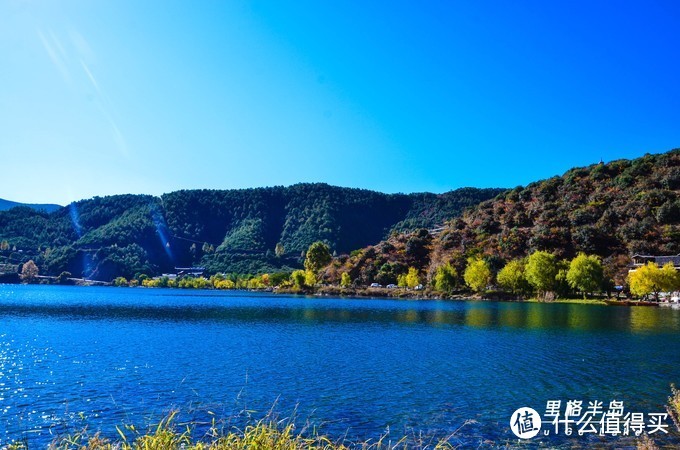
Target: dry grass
[(266, 434), (673, 409), (646, 443), (673, 406)]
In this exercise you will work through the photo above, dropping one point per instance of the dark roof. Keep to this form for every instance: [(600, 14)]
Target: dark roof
[(661, 260)]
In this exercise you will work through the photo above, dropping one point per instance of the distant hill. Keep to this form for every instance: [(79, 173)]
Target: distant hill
[(612, 210), (7, 204), (243, 231)]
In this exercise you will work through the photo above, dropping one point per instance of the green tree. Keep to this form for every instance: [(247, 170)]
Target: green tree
[(298, 278), (278, 278), (279, 250), (120, 282), (445, 278), (541, 270), (562, 287), (389, 273), (512, 278), (477, 274), (63, 277), (29, 272), (217, 278), (317, 257), (4, 246), (345, 280), (585, 273), (141, 277)]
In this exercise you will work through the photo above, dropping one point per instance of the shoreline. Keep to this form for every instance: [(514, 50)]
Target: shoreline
[(378, 293)]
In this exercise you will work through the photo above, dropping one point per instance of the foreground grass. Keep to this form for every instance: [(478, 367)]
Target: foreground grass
[(263, 435), (270, 434)]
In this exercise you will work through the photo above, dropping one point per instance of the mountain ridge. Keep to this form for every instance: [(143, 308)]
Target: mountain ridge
[(611, 210), (246, 230), (47, 207)]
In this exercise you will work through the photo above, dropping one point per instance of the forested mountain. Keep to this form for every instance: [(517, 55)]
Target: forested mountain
[(8, 204), (612, 210), (242, 231)]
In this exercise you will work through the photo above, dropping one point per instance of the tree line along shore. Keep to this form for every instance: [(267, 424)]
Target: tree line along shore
[(541, 275)]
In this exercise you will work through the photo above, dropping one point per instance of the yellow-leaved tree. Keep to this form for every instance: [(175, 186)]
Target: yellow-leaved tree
[(345, 280), (652, 279), (477, 274)]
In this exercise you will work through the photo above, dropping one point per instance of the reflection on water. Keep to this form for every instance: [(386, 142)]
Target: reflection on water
[(474, 314), (360, 365)]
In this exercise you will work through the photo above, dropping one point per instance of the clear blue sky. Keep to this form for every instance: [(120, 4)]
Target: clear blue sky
[(105, 97)]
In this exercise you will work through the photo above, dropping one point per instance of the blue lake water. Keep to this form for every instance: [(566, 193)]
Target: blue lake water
[(109, 356)]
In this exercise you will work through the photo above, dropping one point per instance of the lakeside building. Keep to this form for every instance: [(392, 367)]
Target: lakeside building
[(662, 260), (190, 271), (182, 272)]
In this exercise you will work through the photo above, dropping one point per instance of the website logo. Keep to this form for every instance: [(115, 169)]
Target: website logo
[(525, 423)]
